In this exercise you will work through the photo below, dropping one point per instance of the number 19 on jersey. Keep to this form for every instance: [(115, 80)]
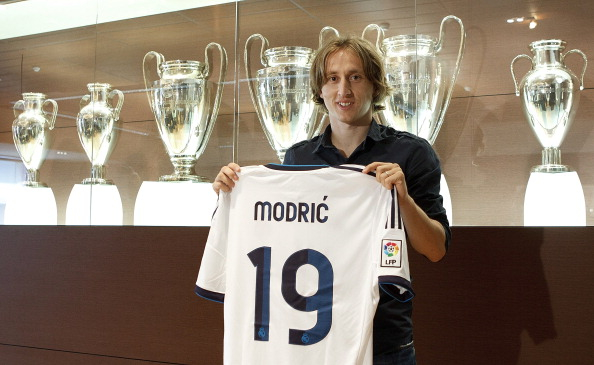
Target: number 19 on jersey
[(321, 301)]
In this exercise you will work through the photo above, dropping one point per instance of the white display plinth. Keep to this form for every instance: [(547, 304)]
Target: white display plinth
[(31, 206), (173, 203), (554, 199), (94, 204)]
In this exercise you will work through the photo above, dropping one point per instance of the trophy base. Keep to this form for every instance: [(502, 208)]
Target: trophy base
[(187, 178), (34, 184), (551, 168), (32, 180), (96, 181)]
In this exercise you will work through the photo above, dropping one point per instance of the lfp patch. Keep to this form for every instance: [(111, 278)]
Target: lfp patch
[(391, 253)]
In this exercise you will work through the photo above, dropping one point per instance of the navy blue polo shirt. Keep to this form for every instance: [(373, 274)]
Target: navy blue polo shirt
[(392, 325)]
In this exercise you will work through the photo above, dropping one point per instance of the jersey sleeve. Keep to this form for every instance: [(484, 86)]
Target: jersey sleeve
[(393, 266), (211, 282)]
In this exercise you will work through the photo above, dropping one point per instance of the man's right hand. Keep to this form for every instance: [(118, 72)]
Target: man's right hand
[(226, 178)]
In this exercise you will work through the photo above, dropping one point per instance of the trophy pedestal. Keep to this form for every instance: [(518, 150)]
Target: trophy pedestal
[(96, 205), (29, 205), (554, 199), (174, 203), (184, 178), (444, 190)]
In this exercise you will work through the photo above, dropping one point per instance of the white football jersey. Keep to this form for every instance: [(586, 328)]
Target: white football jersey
[(298, 255)]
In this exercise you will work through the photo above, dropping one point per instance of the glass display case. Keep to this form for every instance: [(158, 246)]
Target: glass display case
[(110, 167)]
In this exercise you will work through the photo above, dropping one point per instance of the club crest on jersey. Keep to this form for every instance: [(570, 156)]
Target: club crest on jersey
[(391, 253)]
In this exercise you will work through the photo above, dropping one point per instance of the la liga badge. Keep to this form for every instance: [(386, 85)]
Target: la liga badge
[(391, 253)]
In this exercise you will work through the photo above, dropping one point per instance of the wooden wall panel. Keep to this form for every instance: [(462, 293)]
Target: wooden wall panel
[(18, 355), (120, 292), (124, 295), (507, 296)]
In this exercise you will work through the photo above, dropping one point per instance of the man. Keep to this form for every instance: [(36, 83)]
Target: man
[(348, 80)]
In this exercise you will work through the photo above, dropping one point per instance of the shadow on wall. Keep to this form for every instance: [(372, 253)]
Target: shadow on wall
[(473, 307)]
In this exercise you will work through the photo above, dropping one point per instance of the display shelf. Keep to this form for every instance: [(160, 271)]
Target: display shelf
[(485, 144)]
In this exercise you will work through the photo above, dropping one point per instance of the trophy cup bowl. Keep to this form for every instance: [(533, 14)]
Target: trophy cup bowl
[(30, 133), (96, 125), (414, 74), (421, 86), (281, 94), (181, 111), (180, 100)]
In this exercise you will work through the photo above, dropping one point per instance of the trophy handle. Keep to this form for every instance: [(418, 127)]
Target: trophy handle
[(513, 73), (217, 102), (250, 79), (54, 113), (84, 101), (379, 38), (324, 31), (450, 89), (146, 72), (14, 108), (439, 44), (248, 47), (585, 64), (118, 107)]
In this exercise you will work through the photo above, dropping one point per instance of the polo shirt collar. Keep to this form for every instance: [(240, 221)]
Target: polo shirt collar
[(373, 133)]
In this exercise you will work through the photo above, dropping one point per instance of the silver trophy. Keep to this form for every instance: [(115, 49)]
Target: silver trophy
[(421, 86), (96, 126), (180, 100), (30, 133), (550, 97), (281, 94)]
